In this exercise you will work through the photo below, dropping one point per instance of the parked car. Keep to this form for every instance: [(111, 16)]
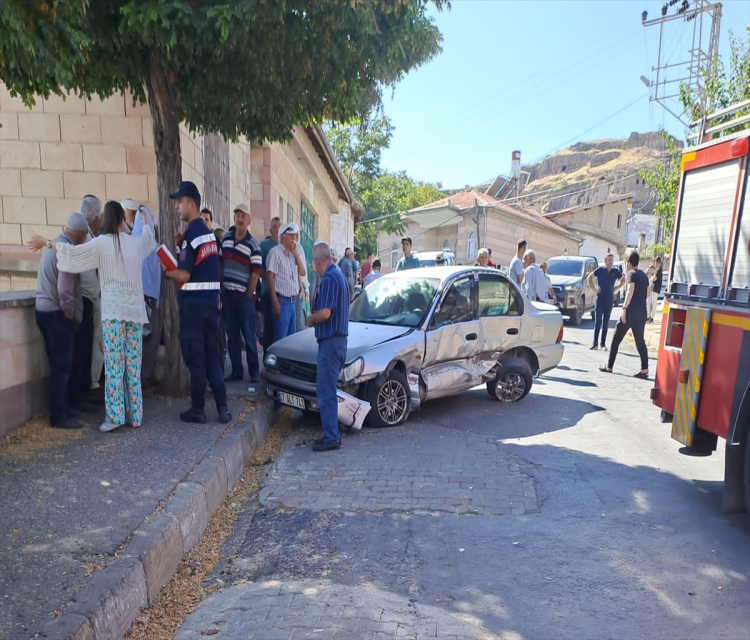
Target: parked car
[(569, 276), (428, 258), (427, 333), (619, 296)]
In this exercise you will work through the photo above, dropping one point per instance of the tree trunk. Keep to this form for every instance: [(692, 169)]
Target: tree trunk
[(166, 127)]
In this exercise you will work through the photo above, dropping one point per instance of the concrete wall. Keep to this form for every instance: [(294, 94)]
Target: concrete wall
[(23, 362)]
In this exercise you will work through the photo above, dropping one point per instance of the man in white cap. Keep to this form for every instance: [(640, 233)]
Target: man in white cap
[(242, 265), (59, 306), (151, 278), (285, 268), (304, 288)]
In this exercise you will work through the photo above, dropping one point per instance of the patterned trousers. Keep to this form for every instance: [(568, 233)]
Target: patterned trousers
[(122, 372)]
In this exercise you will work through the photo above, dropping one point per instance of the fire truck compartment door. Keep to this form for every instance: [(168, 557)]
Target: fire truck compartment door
[(704, 223), (697, 322)]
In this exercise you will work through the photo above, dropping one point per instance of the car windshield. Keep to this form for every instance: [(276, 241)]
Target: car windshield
[(564, 268), (401, 302)]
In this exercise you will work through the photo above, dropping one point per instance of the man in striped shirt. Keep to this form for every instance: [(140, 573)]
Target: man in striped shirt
[(284, 269), (242, 264), (331, 322)]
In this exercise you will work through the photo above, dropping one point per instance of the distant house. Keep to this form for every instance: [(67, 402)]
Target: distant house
[(469, 220), (601, 224)]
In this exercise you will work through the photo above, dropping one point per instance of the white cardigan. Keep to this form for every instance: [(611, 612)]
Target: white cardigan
[(119, 271)]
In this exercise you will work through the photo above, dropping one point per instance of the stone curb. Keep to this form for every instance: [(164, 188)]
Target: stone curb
[(112, 599)]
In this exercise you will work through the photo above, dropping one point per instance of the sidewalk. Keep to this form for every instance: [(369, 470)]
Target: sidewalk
[(72, 500)]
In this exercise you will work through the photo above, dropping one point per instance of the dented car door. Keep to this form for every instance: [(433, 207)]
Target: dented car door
[(452, 342)]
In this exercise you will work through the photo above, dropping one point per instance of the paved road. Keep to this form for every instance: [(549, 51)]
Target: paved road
[(568, 515)]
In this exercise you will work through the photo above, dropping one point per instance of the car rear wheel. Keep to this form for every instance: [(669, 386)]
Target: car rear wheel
[(389, 401), (512, 381)]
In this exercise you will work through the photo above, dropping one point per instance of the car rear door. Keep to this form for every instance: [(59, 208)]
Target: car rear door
[(452, 340), (500, 312)]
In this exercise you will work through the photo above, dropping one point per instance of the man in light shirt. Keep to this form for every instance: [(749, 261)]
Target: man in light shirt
[(374, 273), (285, 269), (515, 271), (534, 281)]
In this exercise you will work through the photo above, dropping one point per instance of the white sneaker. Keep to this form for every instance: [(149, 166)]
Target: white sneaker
[(107, 426)]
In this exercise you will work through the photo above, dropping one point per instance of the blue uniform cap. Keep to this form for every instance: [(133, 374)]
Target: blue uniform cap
[(187, 189)]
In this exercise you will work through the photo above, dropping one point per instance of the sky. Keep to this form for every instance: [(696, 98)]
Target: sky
[(534, 76)]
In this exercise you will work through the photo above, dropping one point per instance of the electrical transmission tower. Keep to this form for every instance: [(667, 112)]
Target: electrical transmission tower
[(693, 66)]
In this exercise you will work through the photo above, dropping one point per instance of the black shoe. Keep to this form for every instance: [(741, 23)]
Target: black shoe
[(224, 415), (322, 445), (235, 377), (197, 416), (68, 423), (593, 348)]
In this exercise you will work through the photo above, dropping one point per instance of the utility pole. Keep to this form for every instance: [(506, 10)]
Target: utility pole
[(690, 70)]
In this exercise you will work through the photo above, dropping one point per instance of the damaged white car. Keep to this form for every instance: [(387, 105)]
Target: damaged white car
[(427, 333)]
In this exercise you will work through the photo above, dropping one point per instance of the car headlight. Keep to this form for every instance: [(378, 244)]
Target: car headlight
[(572, 287), (270, 361), (353, 370)]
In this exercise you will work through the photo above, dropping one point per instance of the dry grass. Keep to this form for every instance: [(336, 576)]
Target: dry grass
[(163, 617), (36, 438)]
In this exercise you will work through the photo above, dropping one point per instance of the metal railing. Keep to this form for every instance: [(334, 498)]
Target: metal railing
[(707, 131)]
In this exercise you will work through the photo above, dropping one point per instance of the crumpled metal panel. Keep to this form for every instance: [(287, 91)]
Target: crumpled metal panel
[(449, 377)]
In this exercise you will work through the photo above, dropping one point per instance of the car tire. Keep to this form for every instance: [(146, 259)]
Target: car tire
[(512, 382), (576, 316), (389, 401)]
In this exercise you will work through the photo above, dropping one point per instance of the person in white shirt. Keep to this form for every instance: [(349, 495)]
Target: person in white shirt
[(515, 271), (534, 281), (118, 257), (284, 269), (374, 273)]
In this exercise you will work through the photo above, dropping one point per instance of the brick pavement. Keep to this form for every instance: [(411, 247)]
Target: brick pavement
[(291, 610), (417, 468)]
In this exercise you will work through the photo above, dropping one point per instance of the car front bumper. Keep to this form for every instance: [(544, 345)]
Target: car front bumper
[(277, 383)]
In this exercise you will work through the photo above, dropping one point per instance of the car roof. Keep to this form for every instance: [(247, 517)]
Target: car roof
[(443, 273), (571, 258)]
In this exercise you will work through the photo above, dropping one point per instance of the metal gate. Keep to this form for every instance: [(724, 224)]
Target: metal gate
[(307, 231)]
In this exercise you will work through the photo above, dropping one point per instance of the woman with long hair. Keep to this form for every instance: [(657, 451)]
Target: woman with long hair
[(118, 257)]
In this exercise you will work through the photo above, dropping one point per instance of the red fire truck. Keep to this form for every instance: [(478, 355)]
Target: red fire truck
[(702, 382)]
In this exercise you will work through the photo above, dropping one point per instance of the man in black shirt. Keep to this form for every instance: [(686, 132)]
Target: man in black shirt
[(633, 316), (656, 282)]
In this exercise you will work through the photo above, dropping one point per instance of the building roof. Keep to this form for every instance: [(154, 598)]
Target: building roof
[(465, 200)]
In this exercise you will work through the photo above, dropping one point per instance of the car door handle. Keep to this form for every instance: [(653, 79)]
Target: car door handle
[(471, 336), (512, 331)]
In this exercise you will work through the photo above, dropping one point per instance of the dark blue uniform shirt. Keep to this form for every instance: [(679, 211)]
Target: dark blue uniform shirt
[(334, 295), (607, 281), (199, 256)]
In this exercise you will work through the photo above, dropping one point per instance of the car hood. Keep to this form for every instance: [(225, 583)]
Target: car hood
[(303, 347), (565, 280)]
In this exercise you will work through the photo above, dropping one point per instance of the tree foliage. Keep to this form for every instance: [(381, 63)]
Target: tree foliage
[(664, 181), (244, 68), (384, 195)]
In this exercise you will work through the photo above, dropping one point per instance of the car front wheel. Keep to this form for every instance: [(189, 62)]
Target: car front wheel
[(389, 401), (512, 381)]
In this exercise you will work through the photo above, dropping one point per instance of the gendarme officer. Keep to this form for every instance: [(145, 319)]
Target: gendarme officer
[(198, 273)]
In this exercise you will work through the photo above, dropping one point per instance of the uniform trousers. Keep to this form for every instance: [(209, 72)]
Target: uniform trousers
[(199, 329)]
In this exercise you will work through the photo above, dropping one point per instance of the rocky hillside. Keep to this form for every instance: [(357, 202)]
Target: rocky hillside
[(568, 176)]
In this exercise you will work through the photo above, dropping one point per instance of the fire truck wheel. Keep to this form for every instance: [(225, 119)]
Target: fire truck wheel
[(665, 417)]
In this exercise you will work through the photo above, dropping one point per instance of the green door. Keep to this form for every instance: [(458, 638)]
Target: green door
[(307, 231)]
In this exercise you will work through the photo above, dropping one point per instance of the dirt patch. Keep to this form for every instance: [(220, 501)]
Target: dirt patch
[(185, 591), (36, 438)]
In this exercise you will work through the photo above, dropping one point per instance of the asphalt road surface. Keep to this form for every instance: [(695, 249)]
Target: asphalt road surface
[(568, 515)]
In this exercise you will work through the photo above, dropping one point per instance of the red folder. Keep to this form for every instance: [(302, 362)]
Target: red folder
[(166, 258)]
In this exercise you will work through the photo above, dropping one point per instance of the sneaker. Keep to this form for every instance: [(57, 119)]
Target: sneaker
[(224, 415), (593, 348), (107, 426), (196, 416), (603, 347), (68, 423), (322, 445)]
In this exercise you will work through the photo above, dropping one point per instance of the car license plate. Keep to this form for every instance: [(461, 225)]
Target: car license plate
[(292, 401)]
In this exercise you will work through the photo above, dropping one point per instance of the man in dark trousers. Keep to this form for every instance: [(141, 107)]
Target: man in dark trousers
[(199, 274), (331, 322), (608, 280), (633, 317)]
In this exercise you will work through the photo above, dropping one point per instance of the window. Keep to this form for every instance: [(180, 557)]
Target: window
[(471, 247), (497, 297), (456, 305), (289, 212), (399, 302), (619, 221), (394, 256)]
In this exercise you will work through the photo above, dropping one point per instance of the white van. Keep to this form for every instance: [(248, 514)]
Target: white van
[(428, 258)]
